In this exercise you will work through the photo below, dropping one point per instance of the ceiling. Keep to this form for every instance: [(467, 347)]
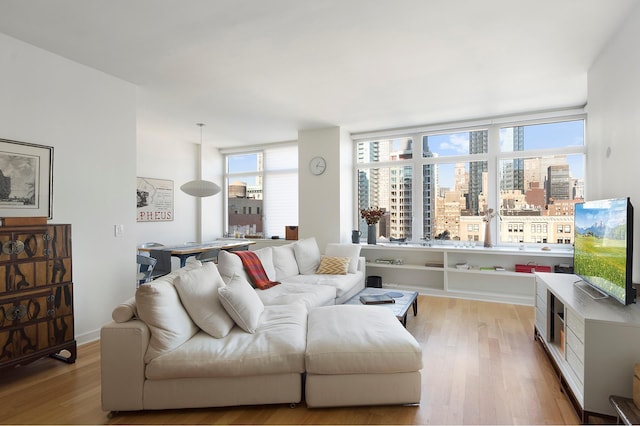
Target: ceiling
[(257, 71)]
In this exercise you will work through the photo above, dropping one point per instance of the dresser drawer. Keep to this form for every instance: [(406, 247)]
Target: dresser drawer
[(28, 308), (576, 365), (576, 324), (575, 344)]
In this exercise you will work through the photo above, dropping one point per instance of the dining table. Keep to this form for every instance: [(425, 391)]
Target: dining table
[(186, 250)]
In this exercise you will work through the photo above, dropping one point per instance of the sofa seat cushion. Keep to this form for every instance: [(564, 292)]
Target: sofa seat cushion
[(351, 339), (310, 296), (276, 347), (343, 284)]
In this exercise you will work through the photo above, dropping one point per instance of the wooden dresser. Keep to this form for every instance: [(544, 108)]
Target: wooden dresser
[(36, 294)]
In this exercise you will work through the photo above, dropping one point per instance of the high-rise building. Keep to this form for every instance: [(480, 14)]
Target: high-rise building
[(401, 195), (478, 143), (558, 183), (518, 163), (429, 186)]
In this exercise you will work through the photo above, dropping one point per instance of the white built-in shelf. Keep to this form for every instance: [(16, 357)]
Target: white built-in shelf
[(474, 283)]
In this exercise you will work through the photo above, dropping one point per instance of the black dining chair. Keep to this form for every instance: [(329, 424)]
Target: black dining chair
[(146, 265), (163, 267), (208, 256)]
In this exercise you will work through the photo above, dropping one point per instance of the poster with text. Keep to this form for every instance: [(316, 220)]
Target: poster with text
[(155, 200)]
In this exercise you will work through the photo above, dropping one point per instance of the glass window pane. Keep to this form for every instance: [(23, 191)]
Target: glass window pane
[(242, 163), (245, 207), (540, 192), (458, 202), (283, 157), (449, 144), (280, 202), (542, 136), (385, 150), (389, 188)]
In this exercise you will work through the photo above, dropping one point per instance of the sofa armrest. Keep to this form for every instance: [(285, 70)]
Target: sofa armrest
[(122, 349), (362, 264)]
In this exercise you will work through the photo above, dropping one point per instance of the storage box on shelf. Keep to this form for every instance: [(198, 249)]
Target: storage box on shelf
[(489, 273)]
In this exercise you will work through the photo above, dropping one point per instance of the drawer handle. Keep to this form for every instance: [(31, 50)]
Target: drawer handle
[(12, 247), (16, 312), (47, 237)]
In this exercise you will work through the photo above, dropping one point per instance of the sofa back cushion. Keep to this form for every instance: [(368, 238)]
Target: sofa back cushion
[(352, 251), (307, 255), (284, 261), (198, 290), (159, 306), (230, 264)]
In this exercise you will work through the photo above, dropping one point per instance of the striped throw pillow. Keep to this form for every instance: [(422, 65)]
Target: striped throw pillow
[(333, 265)]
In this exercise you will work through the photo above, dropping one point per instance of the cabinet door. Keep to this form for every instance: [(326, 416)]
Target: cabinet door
[(60, 240)]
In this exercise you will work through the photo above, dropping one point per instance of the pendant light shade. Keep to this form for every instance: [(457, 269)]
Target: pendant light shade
[(199, 187)]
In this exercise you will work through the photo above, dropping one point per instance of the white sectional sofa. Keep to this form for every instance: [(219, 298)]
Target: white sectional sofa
[(203, 337)]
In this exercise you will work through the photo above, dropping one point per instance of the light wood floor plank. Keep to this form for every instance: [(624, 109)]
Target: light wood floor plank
[(481, 366)]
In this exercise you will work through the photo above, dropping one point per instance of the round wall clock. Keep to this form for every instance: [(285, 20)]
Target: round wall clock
[(317, 165)]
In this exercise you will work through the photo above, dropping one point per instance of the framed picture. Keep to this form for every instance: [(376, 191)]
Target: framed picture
[(26, 179), (155, 200)]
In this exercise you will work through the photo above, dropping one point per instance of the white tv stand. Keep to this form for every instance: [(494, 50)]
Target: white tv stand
[(593, 344)]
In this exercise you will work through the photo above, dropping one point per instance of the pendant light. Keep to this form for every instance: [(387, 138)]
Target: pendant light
[(199, 187)]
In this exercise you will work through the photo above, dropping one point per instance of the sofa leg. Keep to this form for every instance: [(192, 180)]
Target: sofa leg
[(293, 405), (112, 414)]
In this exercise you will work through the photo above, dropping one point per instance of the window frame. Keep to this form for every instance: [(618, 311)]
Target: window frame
[(494, 156)]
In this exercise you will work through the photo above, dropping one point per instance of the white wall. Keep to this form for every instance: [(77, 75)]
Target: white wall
[(614, 123), (318, 196), (90, 120), (178, 161)]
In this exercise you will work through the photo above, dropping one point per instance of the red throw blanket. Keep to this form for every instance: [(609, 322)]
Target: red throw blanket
[(255, 270)]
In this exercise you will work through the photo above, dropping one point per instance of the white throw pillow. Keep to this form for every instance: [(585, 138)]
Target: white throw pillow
[(159, 307), (284, 261), (307, 255), (198, 290), (242, 303), (230, 264), (351, 251)]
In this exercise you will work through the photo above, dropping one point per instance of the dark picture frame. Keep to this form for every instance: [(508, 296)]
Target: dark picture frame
[(26, 179)]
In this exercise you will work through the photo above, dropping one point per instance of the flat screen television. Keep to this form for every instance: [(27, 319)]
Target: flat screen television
[(603, 250)]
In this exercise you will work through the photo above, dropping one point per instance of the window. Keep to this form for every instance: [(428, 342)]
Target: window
[(438, 184), (541, 175), (262, 191)]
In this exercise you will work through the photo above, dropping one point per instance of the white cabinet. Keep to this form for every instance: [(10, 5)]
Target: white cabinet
[(434, 270), (594, 344)]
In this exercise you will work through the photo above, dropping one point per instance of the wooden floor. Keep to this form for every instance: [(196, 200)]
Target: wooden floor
[(481, 366)]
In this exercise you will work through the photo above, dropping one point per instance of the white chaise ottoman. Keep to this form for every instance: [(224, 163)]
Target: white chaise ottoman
[(360, 355)]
